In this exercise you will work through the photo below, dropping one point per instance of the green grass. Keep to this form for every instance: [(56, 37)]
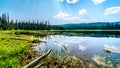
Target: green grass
[(35, 40), (12, 51), (107, 50), (42, 31)]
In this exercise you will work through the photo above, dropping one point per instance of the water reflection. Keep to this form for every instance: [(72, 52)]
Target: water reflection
[(100, 60), (87, 48), (112, 48), (81, 47)]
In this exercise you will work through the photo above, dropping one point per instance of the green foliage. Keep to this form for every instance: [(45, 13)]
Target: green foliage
[(35, 40), (107, 51), (7, 24), (11, 51)]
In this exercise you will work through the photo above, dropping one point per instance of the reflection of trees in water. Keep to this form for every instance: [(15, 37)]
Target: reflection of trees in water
[(91, 33)]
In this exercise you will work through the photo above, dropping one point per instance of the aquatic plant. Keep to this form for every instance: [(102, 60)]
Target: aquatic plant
[(107, 50)]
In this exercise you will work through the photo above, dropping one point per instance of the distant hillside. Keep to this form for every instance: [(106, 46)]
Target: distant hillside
[(96, 25)]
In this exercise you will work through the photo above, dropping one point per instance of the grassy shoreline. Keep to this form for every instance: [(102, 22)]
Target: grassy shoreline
[(34, 31), (15, 50), (43, 33)]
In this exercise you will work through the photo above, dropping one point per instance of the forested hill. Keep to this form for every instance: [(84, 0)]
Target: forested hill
[(97, 25)]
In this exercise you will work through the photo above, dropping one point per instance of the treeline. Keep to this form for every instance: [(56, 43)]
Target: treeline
[(97, 25), (7, 24)]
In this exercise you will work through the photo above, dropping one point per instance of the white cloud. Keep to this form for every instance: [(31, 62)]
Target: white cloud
[(98, 1), (83, 12), (67, 17), (61, 15), (71, 1), (112, 10)]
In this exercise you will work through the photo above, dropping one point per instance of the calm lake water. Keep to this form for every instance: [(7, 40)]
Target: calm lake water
[(88, 48)]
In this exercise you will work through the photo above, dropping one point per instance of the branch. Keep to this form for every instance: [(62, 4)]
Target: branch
[(36, 61)]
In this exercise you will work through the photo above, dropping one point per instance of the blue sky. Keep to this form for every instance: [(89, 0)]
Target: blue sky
[(62, 11)]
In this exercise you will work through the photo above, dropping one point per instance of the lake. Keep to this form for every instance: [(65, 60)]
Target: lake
[(102, 50)]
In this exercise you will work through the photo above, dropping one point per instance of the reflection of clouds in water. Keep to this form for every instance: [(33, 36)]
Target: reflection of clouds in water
[(99, 60), (77, 39), (71, 41), (83, 48), (111, 48), (62, 44), (41, 47), (67, 45), (66, 39)]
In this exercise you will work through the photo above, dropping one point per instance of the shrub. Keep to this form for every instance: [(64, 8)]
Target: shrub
[(35, 40)]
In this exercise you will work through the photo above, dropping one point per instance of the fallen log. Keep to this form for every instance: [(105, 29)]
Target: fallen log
[(36, 61), (20, 39)]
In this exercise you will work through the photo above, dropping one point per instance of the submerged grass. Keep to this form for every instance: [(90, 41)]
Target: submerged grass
[(14, 53), (54, 61)]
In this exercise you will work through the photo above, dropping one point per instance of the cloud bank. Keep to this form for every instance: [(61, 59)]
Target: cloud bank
[(69, 1), (72, 1), (112, 10), (98, 1), (67, 17)]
